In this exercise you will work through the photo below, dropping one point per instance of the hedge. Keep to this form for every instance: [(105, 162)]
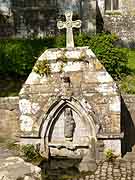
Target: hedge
[(18, 56)]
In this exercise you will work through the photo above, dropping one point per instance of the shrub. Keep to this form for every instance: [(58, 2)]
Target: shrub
[(127, 85), (103, 45), (30, 153), (60, 41), (110, 155), (18, 56)]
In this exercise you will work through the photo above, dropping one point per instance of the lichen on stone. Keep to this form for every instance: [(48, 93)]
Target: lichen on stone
[(42, 67)]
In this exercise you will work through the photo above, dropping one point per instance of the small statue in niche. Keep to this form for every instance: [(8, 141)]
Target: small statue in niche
[(69, 124)]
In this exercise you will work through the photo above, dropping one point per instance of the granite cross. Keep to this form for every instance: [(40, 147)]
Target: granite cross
[(69, 25)]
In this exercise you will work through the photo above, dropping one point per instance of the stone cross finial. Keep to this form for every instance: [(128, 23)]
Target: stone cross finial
[(69, 25)]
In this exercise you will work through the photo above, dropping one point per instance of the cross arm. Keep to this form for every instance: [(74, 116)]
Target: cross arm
[(77, 24), (61, 25)]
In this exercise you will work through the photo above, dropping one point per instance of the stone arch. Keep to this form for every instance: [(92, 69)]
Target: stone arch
[(55, 111)]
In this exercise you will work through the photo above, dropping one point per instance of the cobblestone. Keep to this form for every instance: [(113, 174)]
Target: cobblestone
[(119, 170)]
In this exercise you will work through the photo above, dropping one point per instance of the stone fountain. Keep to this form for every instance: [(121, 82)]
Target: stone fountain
[(71, 113)]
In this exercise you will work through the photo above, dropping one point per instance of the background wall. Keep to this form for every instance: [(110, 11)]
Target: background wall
[(9, 113), (120, 22), (23, 18), (122, 25)]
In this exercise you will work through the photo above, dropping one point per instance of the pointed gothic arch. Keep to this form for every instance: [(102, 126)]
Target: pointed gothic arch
[(55, 111)]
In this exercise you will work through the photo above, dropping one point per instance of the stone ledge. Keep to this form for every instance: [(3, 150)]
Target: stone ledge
[(110, 136), (69, 145)]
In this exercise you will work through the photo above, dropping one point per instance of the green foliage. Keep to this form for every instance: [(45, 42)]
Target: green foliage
[(117, 13), (109, 154), (131, 60), (30, 153), (103, 45), (127, 84), (17, 56), (10, 86), (42, 67), (60, 41)]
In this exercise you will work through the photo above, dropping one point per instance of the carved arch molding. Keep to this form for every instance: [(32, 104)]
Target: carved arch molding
[(67, 122)]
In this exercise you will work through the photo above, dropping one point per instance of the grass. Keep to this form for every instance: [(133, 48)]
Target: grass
[(131, 60), (10, 86), (127, 84)]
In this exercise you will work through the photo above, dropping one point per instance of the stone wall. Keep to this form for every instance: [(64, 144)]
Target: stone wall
[(7, 28), (127, 6), (124, 7), (9, 119), (121, 21), (39, 17), (83, 86), (122, 25), (9, 127)]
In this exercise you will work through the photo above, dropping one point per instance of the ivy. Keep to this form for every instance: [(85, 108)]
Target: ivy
[(30, 153)]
